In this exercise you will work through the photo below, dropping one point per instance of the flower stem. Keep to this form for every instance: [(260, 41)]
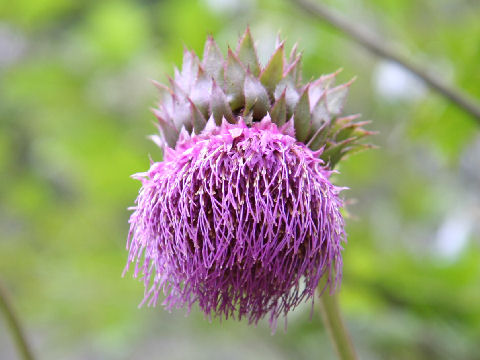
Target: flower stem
[(14, 324), (335, 326)]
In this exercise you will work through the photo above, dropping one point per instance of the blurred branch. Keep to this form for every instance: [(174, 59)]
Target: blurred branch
[(364, 38), (14, 324)]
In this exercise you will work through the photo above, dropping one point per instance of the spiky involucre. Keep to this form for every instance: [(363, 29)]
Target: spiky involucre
[(233, 219), (238, 87)]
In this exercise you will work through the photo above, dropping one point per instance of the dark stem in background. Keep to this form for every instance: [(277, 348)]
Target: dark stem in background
[(14, 324), (379, 48), (336, 329)]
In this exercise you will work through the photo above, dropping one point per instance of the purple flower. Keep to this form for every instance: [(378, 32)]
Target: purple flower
[(242, 220), (240, 217)]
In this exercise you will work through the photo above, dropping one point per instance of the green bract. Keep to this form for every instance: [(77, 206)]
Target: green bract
[(239, 87)]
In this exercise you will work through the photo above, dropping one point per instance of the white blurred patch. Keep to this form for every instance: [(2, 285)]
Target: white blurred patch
[(12, 45), (123, 91), (453, 235), (229, 6), (470, 165), (394, 83)]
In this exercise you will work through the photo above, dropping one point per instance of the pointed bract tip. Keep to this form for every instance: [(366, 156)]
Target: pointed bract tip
[(157, 140), (161, 86)]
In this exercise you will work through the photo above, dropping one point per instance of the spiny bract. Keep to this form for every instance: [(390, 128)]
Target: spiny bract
[(241, 217), (238, 87)]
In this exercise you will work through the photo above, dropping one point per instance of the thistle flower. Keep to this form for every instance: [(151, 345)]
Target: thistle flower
[(240, 216)]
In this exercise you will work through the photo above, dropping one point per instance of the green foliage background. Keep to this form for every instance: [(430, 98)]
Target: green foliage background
[(74, 115)]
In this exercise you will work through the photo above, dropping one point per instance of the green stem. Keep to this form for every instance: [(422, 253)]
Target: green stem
[(335, 326), (14, 324)]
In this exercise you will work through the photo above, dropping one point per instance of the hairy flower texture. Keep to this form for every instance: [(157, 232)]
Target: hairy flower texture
[(233, 219), (240, 216)]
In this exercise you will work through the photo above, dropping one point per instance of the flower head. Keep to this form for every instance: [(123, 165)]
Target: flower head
[(240, 216), (233, 219)]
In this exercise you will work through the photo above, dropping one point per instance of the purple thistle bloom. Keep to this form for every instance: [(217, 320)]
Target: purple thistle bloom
[(241, 219)]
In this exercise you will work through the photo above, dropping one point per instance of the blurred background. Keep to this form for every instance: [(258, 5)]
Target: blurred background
[(75, 94)]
